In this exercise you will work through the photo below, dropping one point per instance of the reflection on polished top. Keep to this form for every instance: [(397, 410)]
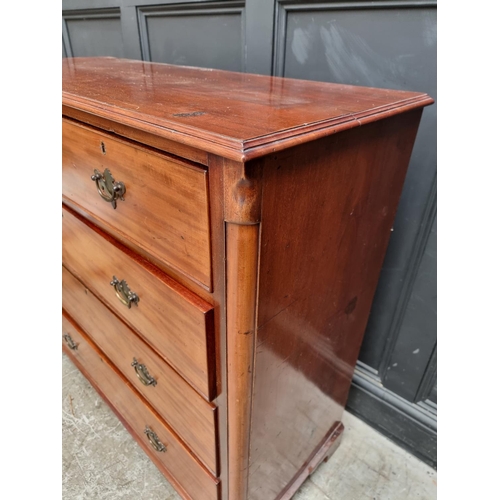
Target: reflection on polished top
[(238, 112)]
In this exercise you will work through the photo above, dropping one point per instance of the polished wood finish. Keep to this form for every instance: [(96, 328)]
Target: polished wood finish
[(323, 452), (294, 378), (302, 181), (188, 475), (217, 226), (165, 207), (242, 253), (242, 215), (192, 418), (327, 213), (171, 147), (181, 278), (235, 115), (171, 319)]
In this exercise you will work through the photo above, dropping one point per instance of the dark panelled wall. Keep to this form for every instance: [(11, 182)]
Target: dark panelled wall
[(379, 43)]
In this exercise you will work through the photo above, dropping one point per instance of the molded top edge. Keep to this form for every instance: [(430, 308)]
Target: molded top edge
[(237, 115)]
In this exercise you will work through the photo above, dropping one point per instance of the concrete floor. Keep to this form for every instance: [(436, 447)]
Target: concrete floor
[(101, 460)]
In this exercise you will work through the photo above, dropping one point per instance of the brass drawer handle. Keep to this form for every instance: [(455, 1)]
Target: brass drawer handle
[(143, 374), (123, 292), (107, 187), (153, 439), (71, 343)]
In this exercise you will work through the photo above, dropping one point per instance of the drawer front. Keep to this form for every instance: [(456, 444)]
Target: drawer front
[(184, 410), (176, 462), (173, 320), (165, 205)]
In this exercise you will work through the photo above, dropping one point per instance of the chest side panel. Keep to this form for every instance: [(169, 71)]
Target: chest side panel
[(327, 212)]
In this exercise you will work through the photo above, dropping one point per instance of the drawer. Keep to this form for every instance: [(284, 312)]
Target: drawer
[(165, 206), (184, 410), (173, 320), (177, 463)]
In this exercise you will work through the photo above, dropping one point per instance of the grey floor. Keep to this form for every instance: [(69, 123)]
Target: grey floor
[(102, 461)]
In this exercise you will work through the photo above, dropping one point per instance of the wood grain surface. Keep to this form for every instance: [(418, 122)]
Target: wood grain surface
[(327, 212), (165, 207), (236, 115), (154, 141), (186, 474), (321, 454), (242, 253), (263, 312), (218, 298), (242, 202), (174, 321), (193, 419)]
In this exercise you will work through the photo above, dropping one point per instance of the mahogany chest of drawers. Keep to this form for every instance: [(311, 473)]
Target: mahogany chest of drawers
[(223, 234)]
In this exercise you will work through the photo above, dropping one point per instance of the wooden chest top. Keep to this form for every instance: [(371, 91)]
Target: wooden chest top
[(237, 115)]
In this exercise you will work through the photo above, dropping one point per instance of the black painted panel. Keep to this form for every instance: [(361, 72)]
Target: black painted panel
[(417, 335), (259, 29), (197, 39), (433, 395), (392, 48), (395, 424), (383, 322), (96, 37)]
